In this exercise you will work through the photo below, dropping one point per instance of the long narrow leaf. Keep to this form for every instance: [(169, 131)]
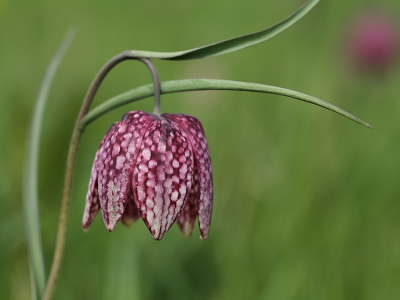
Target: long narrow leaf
[(233, 44), (30, 180), (207, 84)]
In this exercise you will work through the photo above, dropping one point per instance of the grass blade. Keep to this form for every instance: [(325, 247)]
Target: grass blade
[(207, 84), (233, 44), (30, 180)]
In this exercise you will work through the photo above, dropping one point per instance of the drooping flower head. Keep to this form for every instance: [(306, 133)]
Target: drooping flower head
[(156, 167)]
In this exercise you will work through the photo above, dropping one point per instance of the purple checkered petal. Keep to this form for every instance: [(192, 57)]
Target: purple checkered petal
[(92, 198), (162, 176), (116, 163), (131, 213), (189, 212), (195, 133)]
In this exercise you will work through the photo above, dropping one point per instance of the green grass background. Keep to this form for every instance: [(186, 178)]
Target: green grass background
[(306, 202)]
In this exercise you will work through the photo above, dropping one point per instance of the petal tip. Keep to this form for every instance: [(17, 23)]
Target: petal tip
[(110, 229), (158, 238), (128, 222), (110, 226), (204, 233), (187, 230), (157, 234)]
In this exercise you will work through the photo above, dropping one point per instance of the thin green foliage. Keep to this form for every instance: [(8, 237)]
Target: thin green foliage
[(233, 44), (30, 180), (207, 84)]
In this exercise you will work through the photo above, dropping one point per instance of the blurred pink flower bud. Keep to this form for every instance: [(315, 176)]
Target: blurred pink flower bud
[(373, 42)]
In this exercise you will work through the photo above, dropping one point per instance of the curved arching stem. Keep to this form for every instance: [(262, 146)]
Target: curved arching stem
[(107, 68), (156, 83), (73, 149)]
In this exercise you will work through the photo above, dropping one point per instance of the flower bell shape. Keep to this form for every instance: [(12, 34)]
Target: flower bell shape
[(155, 167)]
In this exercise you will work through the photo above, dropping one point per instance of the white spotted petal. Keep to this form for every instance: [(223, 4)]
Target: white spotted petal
[(92, 198), (197, 138), (188, 214), (131, 213), (162, 179), (116, 164)]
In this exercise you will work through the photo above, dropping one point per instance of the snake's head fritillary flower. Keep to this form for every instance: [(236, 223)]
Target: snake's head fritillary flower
[(154, 167)]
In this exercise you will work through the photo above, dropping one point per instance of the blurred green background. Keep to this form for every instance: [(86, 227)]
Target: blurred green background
[(306, 202)]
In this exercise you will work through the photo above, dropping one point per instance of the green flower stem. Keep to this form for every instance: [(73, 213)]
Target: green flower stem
[(72, 153), (206, 84), (66, 196), (156, 85), (62, 225)]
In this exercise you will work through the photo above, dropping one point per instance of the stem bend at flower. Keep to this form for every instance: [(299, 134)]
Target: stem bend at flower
[(206, 84)]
